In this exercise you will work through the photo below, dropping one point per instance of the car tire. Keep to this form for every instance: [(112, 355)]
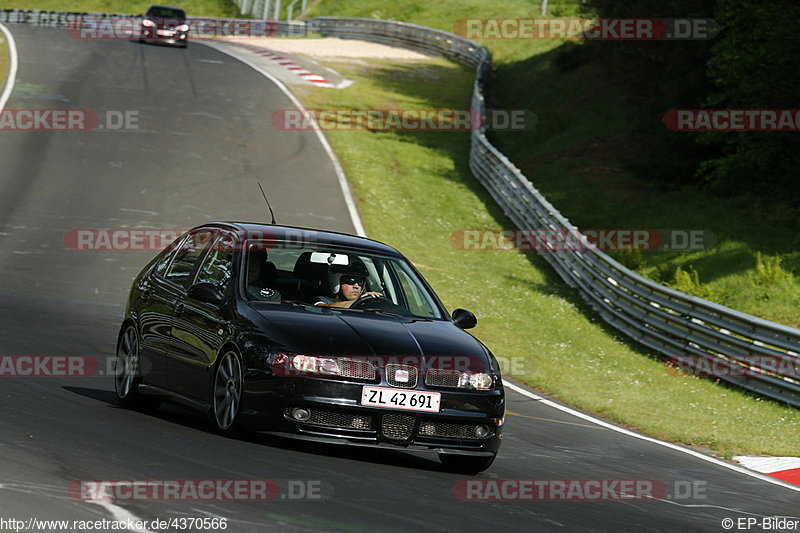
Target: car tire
[(466, 464), (226, 394), (126, 369)]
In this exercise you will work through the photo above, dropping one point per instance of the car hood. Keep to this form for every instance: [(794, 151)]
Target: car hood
[(322, 331)]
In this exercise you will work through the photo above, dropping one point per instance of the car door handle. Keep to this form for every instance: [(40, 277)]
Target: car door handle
[(179, 309)]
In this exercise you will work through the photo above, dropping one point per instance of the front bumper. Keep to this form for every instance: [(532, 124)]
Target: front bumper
[(337, 416), (176, 37)]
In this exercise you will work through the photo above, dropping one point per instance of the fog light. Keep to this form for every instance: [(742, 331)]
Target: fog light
[(481, 432), (298, 413)]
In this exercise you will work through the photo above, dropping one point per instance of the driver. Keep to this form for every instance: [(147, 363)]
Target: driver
[(347, 284)]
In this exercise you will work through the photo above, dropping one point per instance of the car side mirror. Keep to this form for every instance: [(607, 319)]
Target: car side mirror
[(206, 292), (464, 319)]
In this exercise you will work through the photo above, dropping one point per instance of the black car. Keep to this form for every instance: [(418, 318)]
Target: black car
[(165, 24), (224, 320)]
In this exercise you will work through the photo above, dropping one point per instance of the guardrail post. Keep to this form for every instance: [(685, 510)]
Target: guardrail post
[(290, 10)]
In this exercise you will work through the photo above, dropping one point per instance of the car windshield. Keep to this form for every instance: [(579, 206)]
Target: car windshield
[(166, 13), (308, 274)]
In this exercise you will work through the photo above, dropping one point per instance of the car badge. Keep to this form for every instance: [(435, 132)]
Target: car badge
[(267, 293), (401, 376)]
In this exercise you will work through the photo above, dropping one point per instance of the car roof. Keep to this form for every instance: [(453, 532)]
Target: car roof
[(315, 236)]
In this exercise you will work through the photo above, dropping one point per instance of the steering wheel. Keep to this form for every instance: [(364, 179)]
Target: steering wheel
[(381, 303)]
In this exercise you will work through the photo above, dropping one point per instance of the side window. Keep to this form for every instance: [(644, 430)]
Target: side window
[(217, 268), (167, 255), (417, 303), (182, 266)]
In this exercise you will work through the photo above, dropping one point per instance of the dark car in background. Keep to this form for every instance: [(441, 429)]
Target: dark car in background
[(165, 24), (223, 320)]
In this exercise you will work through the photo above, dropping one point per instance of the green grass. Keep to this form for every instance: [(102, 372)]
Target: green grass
[(193, 8), (577, 157), (579, 152), (414, 189)]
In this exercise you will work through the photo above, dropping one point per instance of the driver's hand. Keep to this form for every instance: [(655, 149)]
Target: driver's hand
[(371, 294)]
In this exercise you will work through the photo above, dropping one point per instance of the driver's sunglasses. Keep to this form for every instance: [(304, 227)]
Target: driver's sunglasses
[(352, 280)]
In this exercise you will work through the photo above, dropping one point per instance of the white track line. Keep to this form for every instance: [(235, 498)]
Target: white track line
[(669, 445), (343, 183), (12, 67), (122, 515)]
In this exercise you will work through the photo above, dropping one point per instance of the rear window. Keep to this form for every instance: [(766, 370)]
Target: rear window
[(166, 13)]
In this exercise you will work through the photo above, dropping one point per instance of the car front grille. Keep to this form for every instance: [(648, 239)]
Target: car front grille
[(357, 369), (432, 428), (436, 377), (336, 419), (404, 376), (396, 426)]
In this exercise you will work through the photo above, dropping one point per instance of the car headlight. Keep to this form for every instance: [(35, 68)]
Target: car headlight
[(357, 368), (183, 27), (148, 23), (477, 381), (316, 365)]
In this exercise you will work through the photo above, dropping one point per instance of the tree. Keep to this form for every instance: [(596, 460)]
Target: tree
[(755, 65)]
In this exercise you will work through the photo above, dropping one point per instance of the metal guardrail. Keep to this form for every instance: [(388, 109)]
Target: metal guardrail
[(266, 9), (686, 328), (747, 351)]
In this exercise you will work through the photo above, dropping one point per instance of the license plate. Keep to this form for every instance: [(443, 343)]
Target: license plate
[(165, 33), (401, 399)]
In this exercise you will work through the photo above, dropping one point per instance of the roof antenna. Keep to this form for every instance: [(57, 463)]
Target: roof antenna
[(269, 206)]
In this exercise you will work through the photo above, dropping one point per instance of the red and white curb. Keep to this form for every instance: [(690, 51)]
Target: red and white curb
[(783, 468), (288, 64)]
